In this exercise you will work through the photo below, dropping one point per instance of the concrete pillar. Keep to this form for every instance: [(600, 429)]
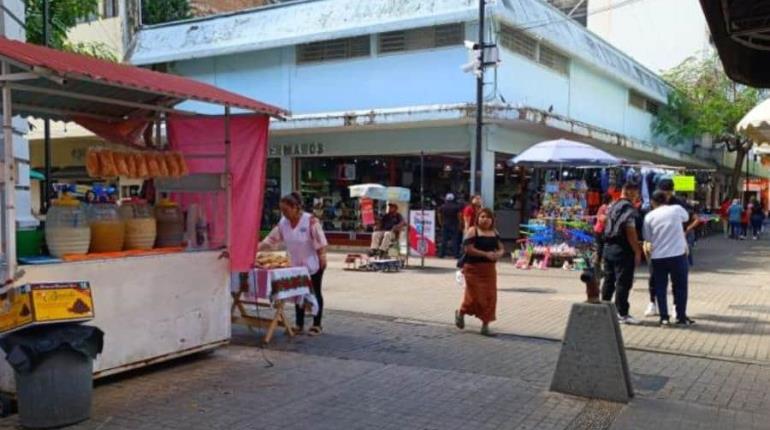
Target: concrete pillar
[(287, 175)]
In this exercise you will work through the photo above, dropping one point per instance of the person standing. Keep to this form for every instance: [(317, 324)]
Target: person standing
[(471, 212), (482, 250), (668, 256), (449, 217), (386, 232), (692, 223), (723, 214), (306, 244), (745, 215), (757, 218), (734, 214), (622, 252)]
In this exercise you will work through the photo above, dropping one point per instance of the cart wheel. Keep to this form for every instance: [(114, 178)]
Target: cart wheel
[(7, 405)]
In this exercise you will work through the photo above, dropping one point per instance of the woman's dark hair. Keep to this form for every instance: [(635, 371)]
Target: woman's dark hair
[(488, 212), (293, 199), (607, 199)]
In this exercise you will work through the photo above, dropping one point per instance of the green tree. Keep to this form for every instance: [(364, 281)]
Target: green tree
[(704, 101), (63, 15), (160, 11)]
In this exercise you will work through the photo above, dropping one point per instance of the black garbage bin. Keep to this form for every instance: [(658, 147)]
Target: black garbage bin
[(53, 367)]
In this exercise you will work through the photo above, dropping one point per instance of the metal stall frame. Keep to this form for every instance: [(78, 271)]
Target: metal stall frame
[(50, 84)]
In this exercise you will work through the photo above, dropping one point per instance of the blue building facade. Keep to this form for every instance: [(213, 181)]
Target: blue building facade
[(375, 85)]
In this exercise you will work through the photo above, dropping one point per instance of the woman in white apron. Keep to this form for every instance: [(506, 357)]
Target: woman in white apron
[(305, 242)]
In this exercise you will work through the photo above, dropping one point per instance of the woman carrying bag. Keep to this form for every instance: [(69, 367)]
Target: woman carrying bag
[(482, 248), (306, 245)]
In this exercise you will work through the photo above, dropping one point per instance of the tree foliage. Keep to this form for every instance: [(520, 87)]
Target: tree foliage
[(94, 49), (160, 11), (63, 15), (704, 100)]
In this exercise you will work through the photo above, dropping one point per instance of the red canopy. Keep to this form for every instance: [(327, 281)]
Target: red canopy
[(61, 85)]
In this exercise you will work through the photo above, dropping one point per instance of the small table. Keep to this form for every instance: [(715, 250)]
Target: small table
[(270, 288)]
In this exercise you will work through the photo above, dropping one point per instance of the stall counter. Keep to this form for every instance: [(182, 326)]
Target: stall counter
[(151, 309)]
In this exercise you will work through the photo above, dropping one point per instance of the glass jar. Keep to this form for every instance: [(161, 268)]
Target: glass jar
[(108, 231), (141, 227), (170, 221), (66, 228)]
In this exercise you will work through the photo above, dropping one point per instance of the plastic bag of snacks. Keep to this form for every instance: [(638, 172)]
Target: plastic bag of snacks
[(183, 170), (131, 163), (152, 165), (107, 168), (173, 166), (164, 173), (92, 163), (120, 163), (141, 166)]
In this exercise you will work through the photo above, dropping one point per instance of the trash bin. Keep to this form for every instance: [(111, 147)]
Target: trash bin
[(53, 367)]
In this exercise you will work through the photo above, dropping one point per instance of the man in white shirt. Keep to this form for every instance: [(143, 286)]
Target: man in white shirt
[(668, 255)]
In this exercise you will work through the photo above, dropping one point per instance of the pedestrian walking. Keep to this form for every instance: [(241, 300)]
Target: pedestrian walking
[(668, 256), (725, 217), (757, 218), (622, 251), (305, 242), (471, 212), (734, 214), (482, 250), (449, 217)]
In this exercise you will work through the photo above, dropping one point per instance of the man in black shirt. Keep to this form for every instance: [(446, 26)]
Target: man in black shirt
[(449, 218), (387, 231), (622, 251)]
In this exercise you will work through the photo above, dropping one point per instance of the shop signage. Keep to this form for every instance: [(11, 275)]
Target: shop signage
[(46, 303), (296, 149), (367, 211), (684, 183), (422, 233)]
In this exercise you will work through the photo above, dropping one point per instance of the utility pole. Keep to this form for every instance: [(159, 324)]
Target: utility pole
[(479, 101), (46, 124)]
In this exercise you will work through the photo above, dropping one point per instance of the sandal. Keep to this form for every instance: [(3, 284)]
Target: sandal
[(459, 320), (298, 330), (314, 331), (485, 331)]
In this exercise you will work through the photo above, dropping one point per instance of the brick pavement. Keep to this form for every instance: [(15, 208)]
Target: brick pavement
[(370, 372), (729, 298)]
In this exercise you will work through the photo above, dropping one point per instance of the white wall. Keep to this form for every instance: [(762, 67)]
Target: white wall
[(658, 33)]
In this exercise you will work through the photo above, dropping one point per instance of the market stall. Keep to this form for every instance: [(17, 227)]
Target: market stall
[(559, 233), (155, 299)]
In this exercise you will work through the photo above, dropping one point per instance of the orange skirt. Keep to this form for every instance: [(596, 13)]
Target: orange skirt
[(480, 298)]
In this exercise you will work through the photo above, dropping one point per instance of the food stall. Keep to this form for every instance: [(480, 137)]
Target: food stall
[(152, 304)]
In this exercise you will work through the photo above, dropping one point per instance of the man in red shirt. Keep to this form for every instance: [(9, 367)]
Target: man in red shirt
[(471, 211)]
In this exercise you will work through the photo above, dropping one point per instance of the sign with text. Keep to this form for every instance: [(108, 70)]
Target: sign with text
[(367, 211), (422, 233)]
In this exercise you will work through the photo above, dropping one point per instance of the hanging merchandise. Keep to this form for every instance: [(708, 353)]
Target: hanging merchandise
[(106, 163)]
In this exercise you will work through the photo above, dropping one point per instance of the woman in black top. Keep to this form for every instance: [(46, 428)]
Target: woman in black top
[(482, 250)]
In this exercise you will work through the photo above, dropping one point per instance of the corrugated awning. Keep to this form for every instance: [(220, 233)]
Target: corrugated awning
[(48, 83)]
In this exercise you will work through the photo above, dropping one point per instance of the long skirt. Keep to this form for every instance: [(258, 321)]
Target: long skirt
[(480, 298)]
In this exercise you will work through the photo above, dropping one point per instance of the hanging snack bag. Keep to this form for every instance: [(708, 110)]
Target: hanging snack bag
[(120, 163), (182, 163), (142, 170), (107, 164), (173, 166), (152, 165), (92, 163), (164, 173), (131, 163)]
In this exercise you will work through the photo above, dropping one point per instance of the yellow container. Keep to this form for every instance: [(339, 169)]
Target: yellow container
[(141, 227), (108, 231)]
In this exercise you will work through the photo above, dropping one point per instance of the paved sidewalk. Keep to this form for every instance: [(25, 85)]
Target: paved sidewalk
[(729, 299), (369, 372)]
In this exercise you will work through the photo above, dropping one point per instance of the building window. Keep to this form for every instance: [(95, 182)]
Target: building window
[(641, 102), (337, 49), (526, 46), (110, 8), (421, 38)]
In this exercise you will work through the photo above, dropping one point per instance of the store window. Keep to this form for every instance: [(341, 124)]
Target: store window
[(271, 214), (324, 183), (110, 8)]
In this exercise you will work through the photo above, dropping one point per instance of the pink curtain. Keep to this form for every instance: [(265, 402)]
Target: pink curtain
[(205, 135)]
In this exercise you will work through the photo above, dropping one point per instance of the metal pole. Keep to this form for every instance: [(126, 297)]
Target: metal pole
[(746, 194), (422, 208), (479, 102), (47, 154), (9, 180), (228, 182)]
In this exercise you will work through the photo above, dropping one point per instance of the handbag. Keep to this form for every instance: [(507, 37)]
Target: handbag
[(463, 256)]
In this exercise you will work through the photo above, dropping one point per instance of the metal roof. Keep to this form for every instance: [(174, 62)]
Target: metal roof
[(48, 83), (314, 20)]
